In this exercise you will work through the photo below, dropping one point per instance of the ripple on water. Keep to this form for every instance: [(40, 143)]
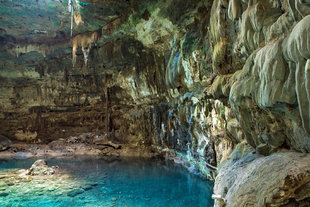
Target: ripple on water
[(107, 183)]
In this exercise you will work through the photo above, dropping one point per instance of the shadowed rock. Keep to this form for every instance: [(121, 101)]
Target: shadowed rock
[(4, 143)]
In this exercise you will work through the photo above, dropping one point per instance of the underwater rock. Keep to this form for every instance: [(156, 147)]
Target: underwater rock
[(87, 187), (3, 194), (4, 143), (75, 192)]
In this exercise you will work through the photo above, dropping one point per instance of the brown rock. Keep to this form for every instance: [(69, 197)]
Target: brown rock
[(281, 179)]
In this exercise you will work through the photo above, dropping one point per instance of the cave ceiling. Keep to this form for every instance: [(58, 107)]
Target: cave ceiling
[(32, 20)]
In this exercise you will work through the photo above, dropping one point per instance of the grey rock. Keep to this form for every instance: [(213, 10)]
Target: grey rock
[(4, 143), (273, 180)]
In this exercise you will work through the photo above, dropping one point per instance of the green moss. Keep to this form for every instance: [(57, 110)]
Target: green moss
[(190, 43), (134, 19), (241, 150), (152, 5), (129, 26)]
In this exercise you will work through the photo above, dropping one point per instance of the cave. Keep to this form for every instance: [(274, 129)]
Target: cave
[(144, 103)]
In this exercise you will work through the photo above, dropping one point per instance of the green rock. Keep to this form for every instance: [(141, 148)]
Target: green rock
[(40, 193), (75, 192), (9, 184), (3, 194), (3, 184), (87, 187), (93, 184)]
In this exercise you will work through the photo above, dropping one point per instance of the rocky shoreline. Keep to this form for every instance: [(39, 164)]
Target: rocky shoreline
[(87, 144), (99, 146), (41, 179)]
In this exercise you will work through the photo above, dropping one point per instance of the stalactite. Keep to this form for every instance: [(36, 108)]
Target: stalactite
[(106, 92)]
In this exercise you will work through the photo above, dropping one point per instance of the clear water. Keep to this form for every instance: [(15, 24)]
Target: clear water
[(115, 183)]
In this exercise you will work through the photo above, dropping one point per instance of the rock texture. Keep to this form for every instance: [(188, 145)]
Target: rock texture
[(196, 79), (4, 143), (244, 182), (87, 144), (38, 181), (40, 167)]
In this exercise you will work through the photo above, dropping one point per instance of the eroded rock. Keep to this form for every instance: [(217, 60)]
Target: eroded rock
[(40, 167), (281, 179)]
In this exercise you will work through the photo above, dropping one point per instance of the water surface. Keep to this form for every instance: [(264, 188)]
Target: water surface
[(110, 183)]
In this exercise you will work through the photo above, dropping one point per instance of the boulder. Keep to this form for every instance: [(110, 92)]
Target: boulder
[(40, 167), (4, 143), (281, 179)]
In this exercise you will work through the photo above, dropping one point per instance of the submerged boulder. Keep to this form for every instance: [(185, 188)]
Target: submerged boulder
[(4, 143), (75, 192)]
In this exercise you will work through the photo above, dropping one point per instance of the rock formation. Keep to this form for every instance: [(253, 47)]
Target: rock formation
[(251, 182), (207, 82), (40, 179), (4, 143), (40, 167)]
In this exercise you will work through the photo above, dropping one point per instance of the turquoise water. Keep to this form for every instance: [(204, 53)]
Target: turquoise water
[(110, 183)]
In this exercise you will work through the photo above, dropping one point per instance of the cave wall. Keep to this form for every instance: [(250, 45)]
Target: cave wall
[(48, 99), (238, 84)]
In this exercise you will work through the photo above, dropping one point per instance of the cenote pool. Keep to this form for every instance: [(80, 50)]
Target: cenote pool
[(106, 183)]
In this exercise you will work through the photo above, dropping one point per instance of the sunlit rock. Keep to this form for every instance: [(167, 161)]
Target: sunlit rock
[(40, 167), (244, 181)]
